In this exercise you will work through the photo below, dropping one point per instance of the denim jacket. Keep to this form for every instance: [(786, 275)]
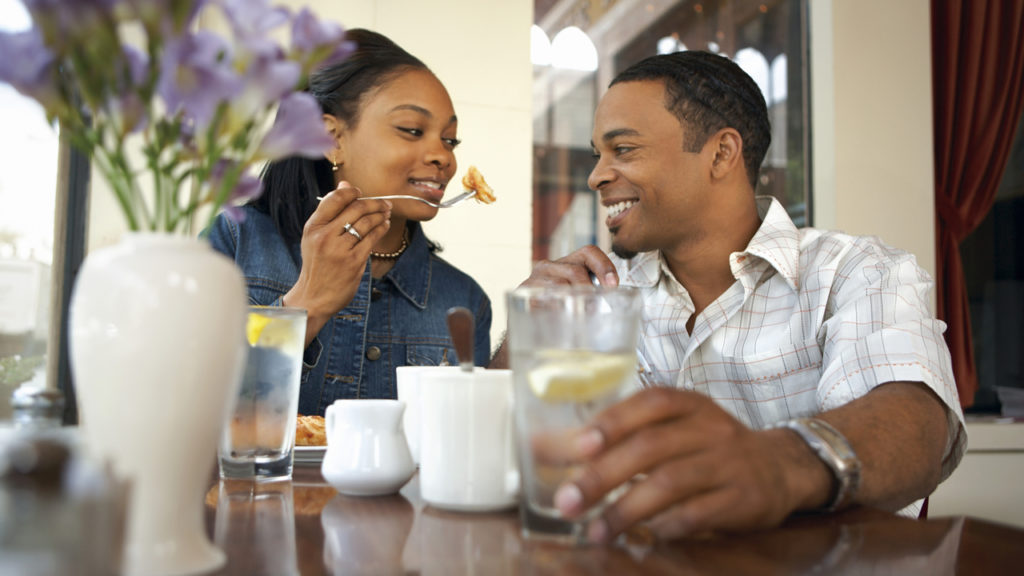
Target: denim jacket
[(398, 320)]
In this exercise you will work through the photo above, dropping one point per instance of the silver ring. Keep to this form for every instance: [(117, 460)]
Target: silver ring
[(351, 230)]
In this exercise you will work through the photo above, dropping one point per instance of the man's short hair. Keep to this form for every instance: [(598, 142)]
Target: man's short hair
[(707, 92)]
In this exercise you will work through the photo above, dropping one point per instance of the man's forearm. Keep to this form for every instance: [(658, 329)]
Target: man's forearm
[(899, 433), (500, 357)]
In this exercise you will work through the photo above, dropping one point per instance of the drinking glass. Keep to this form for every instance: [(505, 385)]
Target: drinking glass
[(573, 354), (258, 440)]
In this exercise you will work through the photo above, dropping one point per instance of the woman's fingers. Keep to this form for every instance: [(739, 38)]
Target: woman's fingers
[(368, 229), (332, 205)]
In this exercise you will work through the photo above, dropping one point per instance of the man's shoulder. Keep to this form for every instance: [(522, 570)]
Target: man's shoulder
[(848, 256), (819, 245)]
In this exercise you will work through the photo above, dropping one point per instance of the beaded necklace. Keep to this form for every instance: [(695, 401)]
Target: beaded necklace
[(393, 255)]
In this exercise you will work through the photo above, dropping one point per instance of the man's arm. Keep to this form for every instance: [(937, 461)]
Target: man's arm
[(704, 470)]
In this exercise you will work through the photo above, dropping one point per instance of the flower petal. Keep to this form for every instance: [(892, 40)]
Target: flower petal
[(298, 130)]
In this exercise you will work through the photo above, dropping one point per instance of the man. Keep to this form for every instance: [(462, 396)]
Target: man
[(804, 369)]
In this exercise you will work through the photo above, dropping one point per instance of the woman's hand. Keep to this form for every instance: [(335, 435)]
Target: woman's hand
[(333, 258)]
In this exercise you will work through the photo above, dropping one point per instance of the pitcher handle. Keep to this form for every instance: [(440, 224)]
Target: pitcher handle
[(329, 422)]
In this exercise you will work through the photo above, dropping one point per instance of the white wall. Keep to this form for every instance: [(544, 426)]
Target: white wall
[(872, 118)]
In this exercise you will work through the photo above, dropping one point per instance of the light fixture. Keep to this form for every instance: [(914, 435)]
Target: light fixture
[(540, 47), (572, 49)]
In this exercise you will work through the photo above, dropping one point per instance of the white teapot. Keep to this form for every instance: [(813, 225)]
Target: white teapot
[(367, 453)]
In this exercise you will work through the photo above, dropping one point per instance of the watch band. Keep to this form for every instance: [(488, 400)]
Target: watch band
[(835, 451)]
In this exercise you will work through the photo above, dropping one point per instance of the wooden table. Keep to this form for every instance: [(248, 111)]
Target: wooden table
[(305, 527)]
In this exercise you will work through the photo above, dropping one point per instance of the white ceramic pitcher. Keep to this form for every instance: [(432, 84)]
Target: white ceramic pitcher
[(367, 453)]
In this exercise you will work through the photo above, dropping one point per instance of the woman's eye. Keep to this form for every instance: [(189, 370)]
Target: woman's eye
[(412, 131), (452, 142)]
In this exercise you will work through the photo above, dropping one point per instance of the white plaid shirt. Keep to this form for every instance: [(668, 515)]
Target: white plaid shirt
[(814, 320)]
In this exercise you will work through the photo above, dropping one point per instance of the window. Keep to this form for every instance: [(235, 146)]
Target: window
[(579, 46), (28, 183), (993, 261)]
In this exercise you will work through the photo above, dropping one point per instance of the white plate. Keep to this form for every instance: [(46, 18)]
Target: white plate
[(309, 455)]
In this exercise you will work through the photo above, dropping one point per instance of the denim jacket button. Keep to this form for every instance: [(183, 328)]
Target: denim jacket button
[(373, 353), (375, 294)]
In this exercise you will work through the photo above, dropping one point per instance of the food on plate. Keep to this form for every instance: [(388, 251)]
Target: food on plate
[(310, 431), (474, 180)]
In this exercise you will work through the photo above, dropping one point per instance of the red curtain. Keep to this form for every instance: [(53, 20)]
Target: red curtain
[(978, 94)]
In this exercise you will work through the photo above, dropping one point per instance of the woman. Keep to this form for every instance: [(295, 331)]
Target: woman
[(375, 290)]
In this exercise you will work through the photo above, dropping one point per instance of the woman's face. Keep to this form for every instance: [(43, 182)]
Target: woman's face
[(403, 143)]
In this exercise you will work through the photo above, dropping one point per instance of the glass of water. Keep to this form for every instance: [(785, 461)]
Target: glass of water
[(573, 354), (258, 439)]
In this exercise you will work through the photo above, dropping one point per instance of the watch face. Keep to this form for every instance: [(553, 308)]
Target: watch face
[(834, 450)]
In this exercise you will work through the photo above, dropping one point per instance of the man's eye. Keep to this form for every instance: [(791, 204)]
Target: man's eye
[(623, 149), (595, 154), (453, 142)]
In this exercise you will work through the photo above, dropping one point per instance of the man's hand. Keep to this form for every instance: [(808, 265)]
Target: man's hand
[(693, 468), (574, 269)]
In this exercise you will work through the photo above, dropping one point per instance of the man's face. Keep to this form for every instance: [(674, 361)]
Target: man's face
[(653, 188)]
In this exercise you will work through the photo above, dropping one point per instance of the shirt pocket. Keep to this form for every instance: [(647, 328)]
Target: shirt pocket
[(776, 385), (429, 355), (263, 291)]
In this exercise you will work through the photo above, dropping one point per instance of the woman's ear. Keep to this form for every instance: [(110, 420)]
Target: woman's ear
[(728, 153), (336, 128)]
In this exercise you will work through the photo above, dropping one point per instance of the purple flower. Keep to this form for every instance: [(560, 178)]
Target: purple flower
[(297, 130), (197, 75), (28, 65), (253, 18), (164, 16), (63, 22), (310, 34), (268, 77), (247, 187)]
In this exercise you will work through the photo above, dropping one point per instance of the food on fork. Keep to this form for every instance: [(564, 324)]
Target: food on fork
[(474, 180), (310, 431)]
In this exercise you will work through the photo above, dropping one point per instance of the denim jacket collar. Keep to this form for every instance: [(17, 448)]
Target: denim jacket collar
[(411, 273)]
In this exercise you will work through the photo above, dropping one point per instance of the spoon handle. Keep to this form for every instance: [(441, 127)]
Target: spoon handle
[(460, 326)]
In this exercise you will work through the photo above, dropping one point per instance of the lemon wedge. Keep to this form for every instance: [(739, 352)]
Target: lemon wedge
[(254, 327), (579, 376)]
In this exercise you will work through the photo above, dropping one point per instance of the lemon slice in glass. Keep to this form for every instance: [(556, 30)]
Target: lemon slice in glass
[(579, 376), (254, 327)]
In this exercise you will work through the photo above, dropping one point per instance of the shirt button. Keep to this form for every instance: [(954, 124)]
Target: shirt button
[(375, 295), (373, 353)]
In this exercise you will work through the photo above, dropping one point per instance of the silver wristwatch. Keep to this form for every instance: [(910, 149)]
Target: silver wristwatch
[(835, 451)]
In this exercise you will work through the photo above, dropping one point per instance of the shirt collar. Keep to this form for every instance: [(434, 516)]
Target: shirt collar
[(776, 242), (411, 273)]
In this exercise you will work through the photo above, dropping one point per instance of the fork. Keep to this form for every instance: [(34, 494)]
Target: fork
[(446, 204)]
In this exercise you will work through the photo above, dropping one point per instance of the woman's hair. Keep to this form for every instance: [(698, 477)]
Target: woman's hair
[(291, 185), (708, 92)]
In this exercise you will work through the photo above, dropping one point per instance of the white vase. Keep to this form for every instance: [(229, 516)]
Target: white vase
[(157, 342)]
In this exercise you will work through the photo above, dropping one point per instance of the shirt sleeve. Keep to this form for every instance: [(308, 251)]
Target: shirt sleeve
[(879, 328), (223, 236)]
